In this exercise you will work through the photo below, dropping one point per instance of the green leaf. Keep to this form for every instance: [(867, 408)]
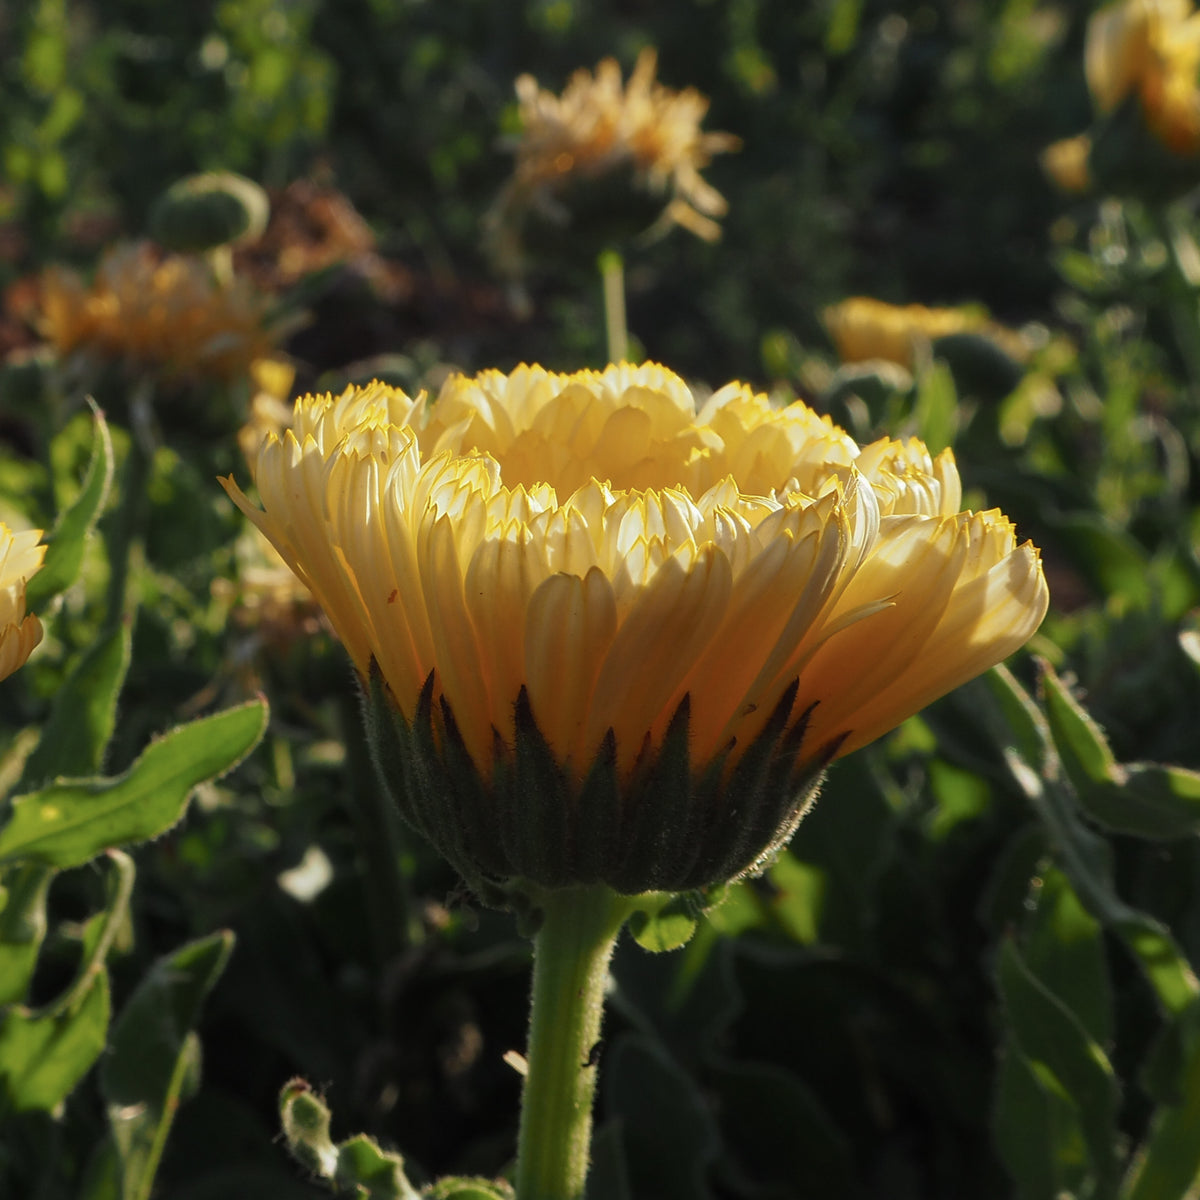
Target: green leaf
[(65, 545), (668, 1160), (666, 927), (1081, 743), (936, 408), (1066, 1061), (1150, 801), (22, 927), (1168, 1166), (1064, 949), (1036, 1132), (68, 823), (154, 1055), (80, 724), (44, 1055)]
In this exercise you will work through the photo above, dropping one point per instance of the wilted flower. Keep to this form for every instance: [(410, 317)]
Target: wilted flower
[(1151, 49), (864, 329), (1065, 163), (20, 558), (623, 638), (153, 311), (597, 128)]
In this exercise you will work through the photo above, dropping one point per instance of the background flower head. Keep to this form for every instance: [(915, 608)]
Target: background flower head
[(600, 127)]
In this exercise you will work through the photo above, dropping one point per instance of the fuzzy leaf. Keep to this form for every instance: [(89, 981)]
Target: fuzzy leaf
[(65, 545), (68, 823)]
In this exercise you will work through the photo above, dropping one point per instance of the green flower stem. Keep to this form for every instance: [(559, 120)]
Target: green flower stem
[(570, 969), (612, 276)]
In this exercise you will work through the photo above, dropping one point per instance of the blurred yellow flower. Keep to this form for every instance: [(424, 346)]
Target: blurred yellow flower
[(1149, 48), (1066, 163), (599, 126), (21, 557), (864, 329), (594, 541), (161, 312)]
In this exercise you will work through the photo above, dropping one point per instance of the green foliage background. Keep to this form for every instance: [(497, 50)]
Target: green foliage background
[(972, 974)]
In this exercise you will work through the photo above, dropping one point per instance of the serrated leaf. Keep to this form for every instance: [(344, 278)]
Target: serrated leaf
[(80, 724), (67, 824), (44, 1055), (153, 1054), (1082, 746), (65, 546), (1064, 1059)]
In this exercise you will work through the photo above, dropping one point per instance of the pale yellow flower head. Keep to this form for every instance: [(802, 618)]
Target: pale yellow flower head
[(21, 556), (600, 125), (592, 542), (863, 328), (163, 313), (1151, 49)]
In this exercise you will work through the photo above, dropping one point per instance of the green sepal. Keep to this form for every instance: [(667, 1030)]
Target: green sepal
[(201, 212), (661, 829), (366, 1170)]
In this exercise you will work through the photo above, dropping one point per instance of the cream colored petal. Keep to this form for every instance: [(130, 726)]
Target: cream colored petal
[(917, 565), (455, 642), (987, 620), (501, 578), (569, 627), (668, 623)]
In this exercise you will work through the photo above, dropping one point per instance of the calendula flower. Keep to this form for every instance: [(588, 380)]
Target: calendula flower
[(1151, 49), (599, 127), (1065, 163), (21, 557), (166, 314), (664, 622), (864, 329)]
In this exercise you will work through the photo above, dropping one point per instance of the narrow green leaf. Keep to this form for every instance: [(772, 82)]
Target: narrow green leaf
[(68, 823), (153, 1054), (22, 927), (1150, 801), (65, 545), (80, 724), (1035, 1132), (1064, 949), (1081, 743), (1064, 1058), (1018, 724), (1168, 1166), (44, 1055), (936, 408)]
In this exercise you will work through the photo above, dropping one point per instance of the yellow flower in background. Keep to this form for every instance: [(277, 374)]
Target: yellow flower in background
[(21, 557), (1065, 163), (154, 311), (593, 551), (1151, 49), (599, 126), (864, 329)]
